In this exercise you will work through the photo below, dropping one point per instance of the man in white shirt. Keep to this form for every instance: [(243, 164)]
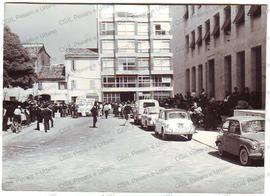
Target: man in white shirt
[(17, 114)]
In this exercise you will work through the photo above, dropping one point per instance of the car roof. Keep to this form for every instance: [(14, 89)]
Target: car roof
[(245, 118), (174, 109)]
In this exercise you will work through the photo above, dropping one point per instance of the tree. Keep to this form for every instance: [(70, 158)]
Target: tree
[(18, 69)]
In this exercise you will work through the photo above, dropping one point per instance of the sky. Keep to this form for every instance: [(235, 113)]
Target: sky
[(58, 26)]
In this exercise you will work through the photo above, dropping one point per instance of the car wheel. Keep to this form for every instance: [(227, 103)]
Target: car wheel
[(220, 149), (189, 136), (164, 136), (244, 158), (142, 126)]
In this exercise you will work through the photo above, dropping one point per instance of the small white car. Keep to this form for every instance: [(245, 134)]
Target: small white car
[(174, 122), (149, 117)]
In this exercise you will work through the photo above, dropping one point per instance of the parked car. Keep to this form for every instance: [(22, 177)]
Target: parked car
[(139, 108), (243, 136), (174, 122), (149, 117)]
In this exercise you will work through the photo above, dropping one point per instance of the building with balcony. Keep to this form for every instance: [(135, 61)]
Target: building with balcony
[(219, 47), (82, 70), (134, 44)]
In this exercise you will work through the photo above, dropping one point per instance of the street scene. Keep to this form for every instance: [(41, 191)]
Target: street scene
[(134, 98)]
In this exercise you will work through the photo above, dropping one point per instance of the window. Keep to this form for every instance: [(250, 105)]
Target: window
[(192, 9), (207, 32), (126, 46), (126, 64), (255, 11), (162, 28), (186, 12), (226, 27), (126, 28), (192, 44), (39, 85), (193, 79), (62, 86), (73, 84), (106, 11), (161, 46), (107, 47), (111, 97), (73, 67), (144, 81), (161, 64), (199, 39), (126, 81), (162, 81), (159, 95), (216, 31), (234, 127), (106, 28), (109, 82), (142, 29), (187, 43), (143, 64), (131, 11), (107, 64), (143, 46), (92, 84), (240, 16)]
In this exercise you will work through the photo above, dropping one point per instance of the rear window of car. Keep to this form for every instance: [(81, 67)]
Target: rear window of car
[(149, 104), (172, 115)]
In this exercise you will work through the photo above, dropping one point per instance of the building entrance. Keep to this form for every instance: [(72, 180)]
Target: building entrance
[(127, 96)]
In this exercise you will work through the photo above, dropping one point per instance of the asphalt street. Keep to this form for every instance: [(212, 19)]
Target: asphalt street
[(72, 156)]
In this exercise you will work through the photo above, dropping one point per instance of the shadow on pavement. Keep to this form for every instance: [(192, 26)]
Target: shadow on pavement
[(172, 138), (235, 160)]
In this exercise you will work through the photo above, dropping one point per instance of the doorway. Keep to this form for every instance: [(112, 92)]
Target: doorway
[(127, 96)]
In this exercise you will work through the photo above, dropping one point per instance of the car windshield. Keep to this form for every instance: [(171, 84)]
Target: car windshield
[(253, 126), (175, 114), (148, 104), (153, 110)]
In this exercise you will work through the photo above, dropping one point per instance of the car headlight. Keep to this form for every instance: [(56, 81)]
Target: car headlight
[(254, 145), (192, 128)]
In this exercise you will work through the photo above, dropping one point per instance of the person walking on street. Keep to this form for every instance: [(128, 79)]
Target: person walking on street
[(39, 116), (94, 112), (127, 110), (106, 110)]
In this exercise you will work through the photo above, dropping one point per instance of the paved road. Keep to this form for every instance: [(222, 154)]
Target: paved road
[(115, 158)]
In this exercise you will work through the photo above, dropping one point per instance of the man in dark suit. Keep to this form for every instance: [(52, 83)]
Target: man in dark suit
[(47, 114), (94, 112)]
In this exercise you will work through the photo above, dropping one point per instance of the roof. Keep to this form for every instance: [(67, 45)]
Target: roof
[(81, 52), (174, 109), (245, 118), (52, 73), (34, 48)]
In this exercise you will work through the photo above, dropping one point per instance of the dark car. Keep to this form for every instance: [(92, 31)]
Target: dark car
[(243, 136)]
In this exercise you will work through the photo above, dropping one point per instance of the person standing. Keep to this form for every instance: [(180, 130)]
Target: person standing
[(47, 114), (5, 119), (39, 116), (94, 112)]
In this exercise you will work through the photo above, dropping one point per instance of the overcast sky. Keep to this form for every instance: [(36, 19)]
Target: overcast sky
[(58, 26)]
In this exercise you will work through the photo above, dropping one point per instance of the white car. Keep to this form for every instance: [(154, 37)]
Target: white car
[(139, 108), (174, 122), (149, 117)]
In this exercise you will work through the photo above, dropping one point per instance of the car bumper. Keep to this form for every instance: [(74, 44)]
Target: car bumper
[(256, 155), (179, 132)]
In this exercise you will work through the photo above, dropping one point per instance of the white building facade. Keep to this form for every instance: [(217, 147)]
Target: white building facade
[(82, 73), (134, 44)]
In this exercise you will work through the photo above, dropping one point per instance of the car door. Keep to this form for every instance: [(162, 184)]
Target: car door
[(232, 138)]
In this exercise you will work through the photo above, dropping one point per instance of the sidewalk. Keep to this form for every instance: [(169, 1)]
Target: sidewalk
[(206, 137)]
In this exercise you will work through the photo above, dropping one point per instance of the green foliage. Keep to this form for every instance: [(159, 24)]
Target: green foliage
[(18, 70)]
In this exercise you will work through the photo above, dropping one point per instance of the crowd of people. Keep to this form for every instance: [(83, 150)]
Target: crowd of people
[(205, 111)]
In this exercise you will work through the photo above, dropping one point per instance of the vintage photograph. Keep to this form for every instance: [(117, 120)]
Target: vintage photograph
[(134, 97)]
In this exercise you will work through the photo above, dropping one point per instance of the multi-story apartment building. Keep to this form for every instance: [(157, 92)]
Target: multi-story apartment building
[(82, 70), (134, 44), (219, 47)]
